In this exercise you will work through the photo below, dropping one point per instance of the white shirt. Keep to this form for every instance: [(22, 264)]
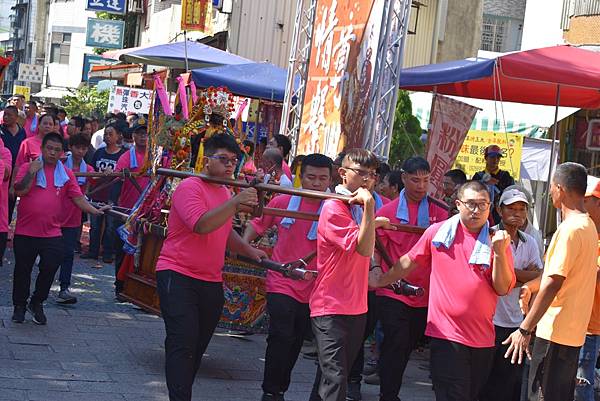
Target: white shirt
[(537, 236), (284, 181), (508, 313)]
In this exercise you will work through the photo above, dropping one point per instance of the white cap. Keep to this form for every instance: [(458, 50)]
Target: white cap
[(512, 195)]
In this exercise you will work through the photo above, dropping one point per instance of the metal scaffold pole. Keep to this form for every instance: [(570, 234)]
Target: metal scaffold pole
[(384, 92), (291, 116)]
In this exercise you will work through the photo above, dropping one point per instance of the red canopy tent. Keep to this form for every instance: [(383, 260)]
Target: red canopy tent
[(558, 75)]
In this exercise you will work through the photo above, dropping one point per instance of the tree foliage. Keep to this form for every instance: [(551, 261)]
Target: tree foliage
[(406, 136), (87, 102)]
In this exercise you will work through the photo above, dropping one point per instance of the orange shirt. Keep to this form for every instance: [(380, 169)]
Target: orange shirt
[(594, 325)]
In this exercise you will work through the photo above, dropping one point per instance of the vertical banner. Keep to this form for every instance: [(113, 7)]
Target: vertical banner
[(344, 49), (196, 15), (449, 125)]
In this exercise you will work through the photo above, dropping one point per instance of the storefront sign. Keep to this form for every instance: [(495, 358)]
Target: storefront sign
[(109, 6), (22, 90), (31, 73), (593, 135), (340, 73), (470, 158), (90, 60), (129, 100), (105, 33)]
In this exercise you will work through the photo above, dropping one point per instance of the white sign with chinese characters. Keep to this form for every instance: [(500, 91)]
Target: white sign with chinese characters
[(31, 73), (129, 100)]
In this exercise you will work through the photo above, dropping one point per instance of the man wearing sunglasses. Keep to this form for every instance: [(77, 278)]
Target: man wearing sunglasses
[(189, 269), (469, 269)]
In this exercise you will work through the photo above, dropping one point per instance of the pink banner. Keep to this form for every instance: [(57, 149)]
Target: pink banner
[(162, 95), (450, 123), (183, 98)]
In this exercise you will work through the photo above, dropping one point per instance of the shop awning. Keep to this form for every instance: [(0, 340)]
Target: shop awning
[(54, 92), (530, 76), (255, 80), (174, 54)]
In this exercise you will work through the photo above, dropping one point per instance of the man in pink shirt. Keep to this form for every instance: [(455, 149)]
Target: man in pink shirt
[(5, 174), (44, 186), (125, 192), (338, 302), (287, 299), (189, 268), (403, 318), (31, 119), (283, 144), (468, 272), (31, 147)]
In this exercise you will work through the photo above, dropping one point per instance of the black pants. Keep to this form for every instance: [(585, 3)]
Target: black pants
[(289, 321), (553, 370), (459, 372), (359, 361), (27, 249), (338, 338), (119, 257), (504, 382), (12, 201), (191, 309), (403, 326), (3, 241)]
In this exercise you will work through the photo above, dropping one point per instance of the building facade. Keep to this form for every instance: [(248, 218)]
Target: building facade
[(502, 28)]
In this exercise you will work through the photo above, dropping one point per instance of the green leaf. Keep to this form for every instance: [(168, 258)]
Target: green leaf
[(406, 136), (87, 102)]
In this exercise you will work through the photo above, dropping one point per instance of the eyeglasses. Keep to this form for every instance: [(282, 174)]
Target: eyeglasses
[(225, 160), (364, 174), (473, 206)]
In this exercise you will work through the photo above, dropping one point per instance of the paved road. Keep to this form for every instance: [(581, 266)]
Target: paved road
[(100, 350)]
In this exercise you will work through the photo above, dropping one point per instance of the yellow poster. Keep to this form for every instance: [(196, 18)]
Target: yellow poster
[(22, 90), (470, 157), (196, 15)]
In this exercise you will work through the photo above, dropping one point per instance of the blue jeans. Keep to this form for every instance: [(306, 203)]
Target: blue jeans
[(584, 390), (108, 236), (70, 236)]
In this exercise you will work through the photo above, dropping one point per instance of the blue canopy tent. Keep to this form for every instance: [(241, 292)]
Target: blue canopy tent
[(174, 55), (256, 80)]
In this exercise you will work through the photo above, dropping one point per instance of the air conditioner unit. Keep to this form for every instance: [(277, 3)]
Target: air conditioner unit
[(135, 6)]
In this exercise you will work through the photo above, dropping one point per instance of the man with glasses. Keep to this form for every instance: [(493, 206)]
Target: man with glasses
[(126, 191), (469, 269), (345, 243), (403, 318), (189, 268)]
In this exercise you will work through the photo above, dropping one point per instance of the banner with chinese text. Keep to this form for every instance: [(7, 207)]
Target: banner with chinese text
[(449, 125), (196, 15), (109, 6), (129, 100), (340, 74), (470, 158)]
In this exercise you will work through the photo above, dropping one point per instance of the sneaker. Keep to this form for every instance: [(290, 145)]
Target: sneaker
[(37, 311), (372, 379), (65, 298), (19, 314), (353, 392), (272, 397)]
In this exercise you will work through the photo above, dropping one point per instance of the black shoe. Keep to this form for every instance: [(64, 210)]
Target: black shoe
[(272, 397), (19, 314), (37, 311), (88, 256), (108, 259), (353, 392)]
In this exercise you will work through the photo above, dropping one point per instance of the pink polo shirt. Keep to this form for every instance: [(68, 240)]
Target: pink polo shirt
[(200, 256), (39, 210), (29, 150), (7, 165), (71, 214), (462, 300), (343, 279), (27, 127), (286, 170), (397, 243), (292, 244), (129, 193)]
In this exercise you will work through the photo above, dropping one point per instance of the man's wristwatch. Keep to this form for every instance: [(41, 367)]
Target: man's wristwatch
[(524, 332)]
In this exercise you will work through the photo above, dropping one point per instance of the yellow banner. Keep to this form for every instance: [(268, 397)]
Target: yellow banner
[(196, 15), (470, 157), (22, 90)]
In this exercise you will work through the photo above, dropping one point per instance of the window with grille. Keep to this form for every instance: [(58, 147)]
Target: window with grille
[(493, 34), (60, 47)]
